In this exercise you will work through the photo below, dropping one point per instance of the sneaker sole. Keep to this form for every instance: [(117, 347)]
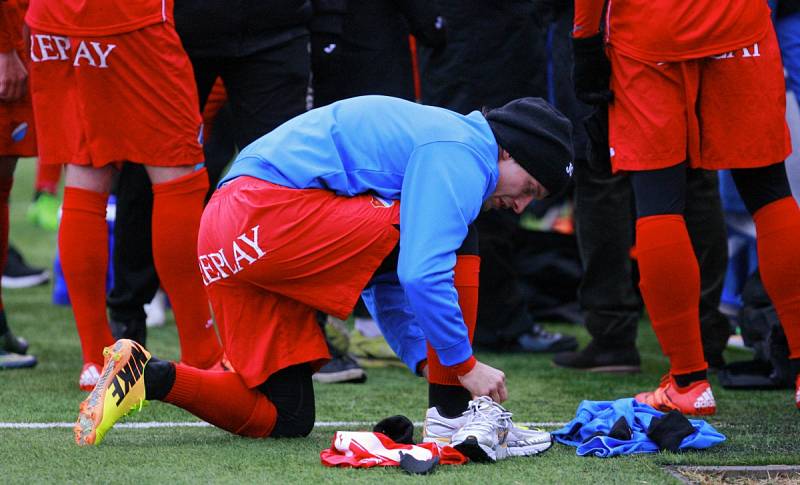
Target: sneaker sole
[(530, 450), (15, 282), (86, 426), (356, 376), (475, 451), (24, 362)]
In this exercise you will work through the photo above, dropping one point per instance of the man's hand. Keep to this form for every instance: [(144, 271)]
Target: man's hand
[(484, 380), (13, 77), (591, 71)]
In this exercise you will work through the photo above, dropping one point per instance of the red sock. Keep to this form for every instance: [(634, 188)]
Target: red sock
[(778, 240), (47, 177), (222, 399), (177, 207), (670, 284), (5, 192), (466, 282), (83, 248)]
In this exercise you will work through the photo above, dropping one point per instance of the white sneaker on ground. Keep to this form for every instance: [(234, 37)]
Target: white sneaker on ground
[(438, 428), (485, 432)]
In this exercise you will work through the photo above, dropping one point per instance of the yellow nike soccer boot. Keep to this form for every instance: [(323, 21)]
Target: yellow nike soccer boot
[(119, 391)]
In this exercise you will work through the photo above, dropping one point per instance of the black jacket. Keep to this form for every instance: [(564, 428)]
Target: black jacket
[(361, 46), (239, 27)]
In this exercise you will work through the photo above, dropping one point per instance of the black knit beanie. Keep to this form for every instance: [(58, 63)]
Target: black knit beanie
[(538, 137)]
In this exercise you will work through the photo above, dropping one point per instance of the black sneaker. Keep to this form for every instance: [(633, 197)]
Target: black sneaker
[(10, 360), (17, 273), (13, 344), (594, 358), (341, 368), (539, 340)]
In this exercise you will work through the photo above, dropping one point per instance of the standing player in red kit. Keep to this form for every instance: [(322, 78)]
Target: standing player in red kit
[(693, 84), (111, 83), (17, 139)]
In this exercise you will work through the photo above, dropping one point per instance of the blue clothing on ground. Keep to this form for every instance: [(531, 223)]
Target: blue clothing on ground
[(597, 417), (439, 164)]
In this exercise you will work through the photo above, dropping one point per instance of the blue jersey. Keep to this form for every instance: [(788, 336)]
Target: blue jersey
[(439, 164)]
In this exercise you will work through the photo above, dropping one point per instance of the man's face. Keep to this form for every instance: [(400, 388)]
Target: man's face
[(516, 188)]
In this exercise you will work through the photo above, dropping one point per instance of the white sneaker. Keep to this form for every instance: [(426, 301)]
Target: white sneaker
[(527, 442), (489, 434), (156, 310), (439, 429)]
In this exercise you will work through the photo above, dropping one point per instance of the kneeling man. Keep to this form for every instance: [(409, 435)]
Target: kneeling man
[(374, 196)]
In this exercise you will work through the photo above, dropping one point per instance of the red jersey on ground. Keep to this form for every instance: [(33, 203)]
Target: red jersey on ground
[(96, 18), (674, 30)]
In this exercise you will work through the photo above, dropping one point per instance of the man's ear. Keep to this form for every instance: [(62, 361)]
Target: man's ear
[(504, 155)]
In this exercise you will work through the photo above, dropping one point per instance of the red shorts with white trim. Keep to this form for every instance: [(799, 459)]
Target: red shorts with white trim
[(101, 100), (725, 111), (271, 256)]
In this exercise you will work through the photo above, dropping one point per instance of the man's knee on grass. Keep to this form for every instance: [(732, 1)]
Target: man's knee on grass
[(292, 393)]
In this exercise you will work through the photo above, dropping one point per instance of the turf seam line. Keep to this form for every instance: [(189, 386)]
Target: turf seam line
[(202, 424)]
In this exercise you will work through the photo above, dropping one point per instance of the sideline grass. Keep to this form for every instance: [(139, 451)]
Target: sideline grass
[(762, 427)]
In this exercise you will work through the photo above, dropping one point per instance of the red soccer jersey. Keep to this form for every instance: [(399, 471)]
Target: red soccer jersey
[(11, 14), (96, 18), (675, 30)]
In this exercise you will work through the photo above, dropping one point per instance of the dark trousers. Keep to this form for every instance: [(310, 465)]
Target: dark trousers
[(264, 90), (604, 214), (502, 309)]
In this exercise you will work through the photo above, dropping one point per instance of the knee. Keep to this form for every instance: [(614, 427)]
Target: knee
[(293, 425)]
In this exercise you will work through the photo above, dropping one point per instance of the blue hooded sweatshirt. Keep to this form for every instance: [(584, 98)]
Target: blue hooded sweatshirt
[(439, 164)]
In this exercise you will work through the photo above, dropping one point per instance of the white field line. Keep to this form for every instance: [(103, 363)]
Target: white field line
[(202, 424)]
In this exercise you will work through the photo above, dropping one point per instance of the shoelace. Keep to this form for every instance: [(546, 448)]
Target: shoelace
[(480, 414)]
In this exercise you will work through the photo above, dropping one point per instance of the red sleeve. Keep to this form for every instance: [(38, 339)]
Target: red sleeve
[(6, 27), (588, 14), (465, 367)]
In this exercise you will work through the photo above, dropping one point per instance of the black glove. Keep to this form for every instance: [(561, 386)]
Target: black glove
[(399, 429), (591, 71), (597, 151)]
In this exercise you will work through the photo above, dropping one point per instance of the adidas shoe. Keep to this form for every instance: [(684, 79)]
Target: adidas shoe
[(90, 374), (119, 391), (695, 399)]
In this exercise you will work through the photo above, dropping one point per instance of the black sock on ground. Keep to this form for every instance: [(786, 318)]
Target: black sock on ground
[(451, 400), (684, 380), (159, 377)]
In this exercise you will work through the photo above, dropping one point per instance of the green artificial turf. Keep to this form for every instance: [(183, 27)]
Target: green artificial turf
[(762, 427)]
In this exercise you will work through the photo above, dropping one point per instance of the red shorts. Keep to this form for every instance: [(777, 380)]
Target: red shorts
[(271, 256), (17, 133), (100, 100), (725, 111)]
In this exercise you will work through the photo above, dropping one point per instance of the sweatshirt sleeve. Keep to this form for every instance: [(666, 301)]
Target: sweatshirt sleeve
[(588, 14), (442, 194)]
